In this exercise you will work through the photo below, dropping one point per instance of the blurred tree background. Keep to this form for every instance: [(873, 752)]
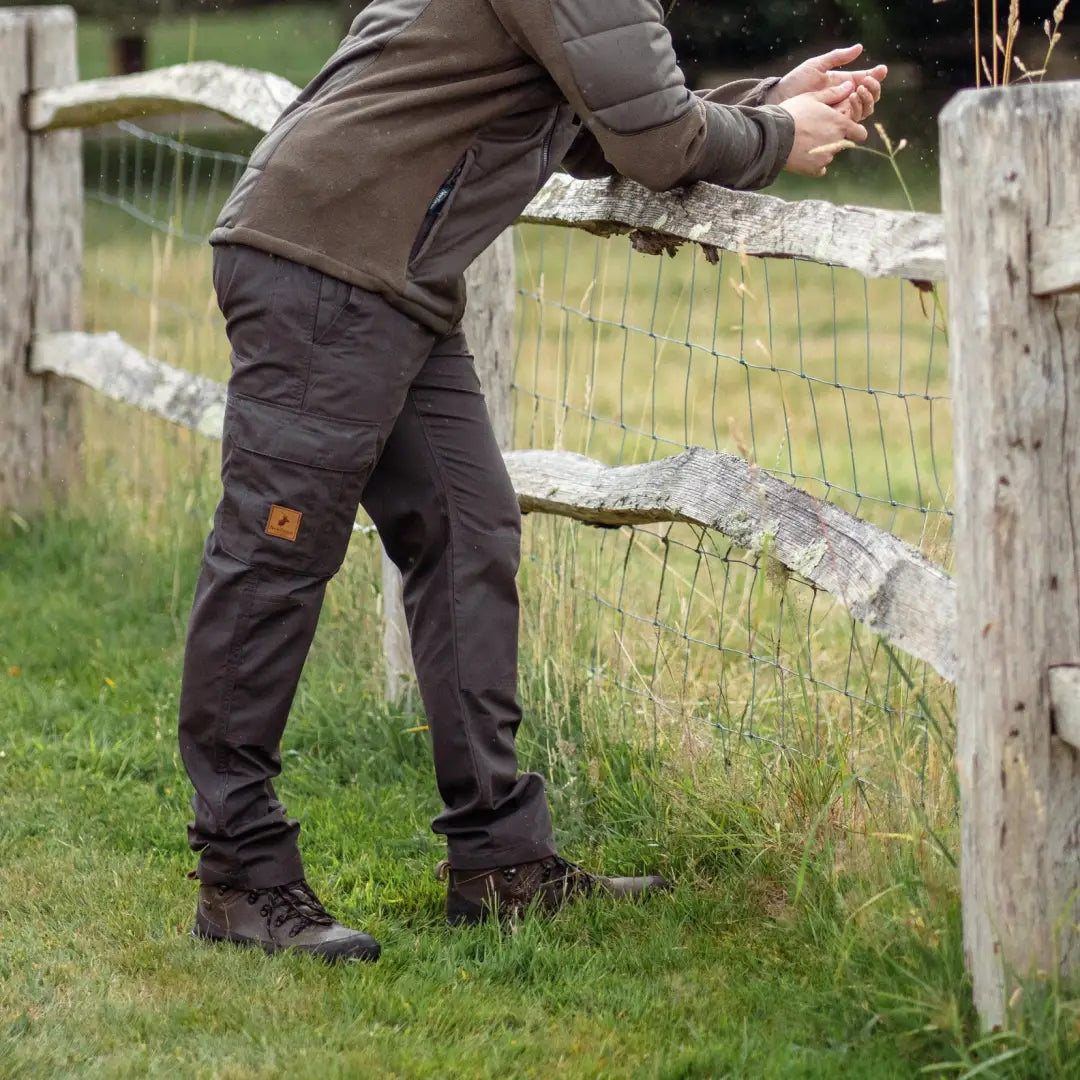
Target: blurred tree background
[(934, 35)]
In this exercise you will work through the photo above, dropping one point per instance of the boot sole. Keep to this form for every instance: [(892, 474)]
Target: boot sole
[(204, 931)]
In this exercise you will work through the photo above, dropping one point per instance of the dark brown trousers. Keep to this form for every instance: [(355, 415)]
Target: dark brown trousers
[(338, 399)]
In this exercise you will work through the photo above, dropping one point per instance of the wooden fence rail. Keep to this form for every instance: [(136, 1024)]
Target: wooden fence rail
[(1006, 244), (884, 582)]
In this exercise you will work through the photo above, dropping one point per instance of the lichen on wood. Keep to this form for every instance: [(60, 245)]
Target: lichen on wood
[(876, 243), (255, 98)]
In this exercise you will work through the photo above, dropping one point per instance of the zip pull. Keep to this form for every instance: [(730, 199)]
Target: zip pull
[(447, 189)]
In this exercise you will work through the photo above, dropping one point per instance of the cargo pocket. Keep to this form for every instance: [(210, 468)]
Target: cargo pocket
[(292, 483)]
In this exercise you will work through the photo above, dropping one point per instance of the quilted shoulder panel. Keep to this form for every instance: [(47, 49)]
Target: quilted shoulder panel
[(621, 57)]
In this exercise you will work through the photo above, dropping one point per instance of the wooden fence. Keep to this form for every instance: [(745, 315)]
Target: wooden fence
[(1005, 626)]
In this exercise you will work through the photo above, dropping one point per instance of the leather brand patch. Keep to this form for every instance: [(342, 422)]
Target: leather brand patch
[(283, 523)]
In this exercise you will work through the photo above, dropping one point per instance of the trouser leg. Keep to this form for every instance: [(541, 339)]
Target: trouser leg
[(320, 374), (444, 506), (249, 634)]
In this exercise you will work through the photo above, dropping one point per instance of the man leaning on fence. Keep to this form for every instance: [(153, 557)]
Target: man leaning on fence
[(338, 265)]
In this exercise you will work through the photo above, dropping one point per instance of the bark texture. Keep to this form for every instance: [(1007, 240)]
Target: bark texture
[(882, 581), (120, 372), (21, 396)]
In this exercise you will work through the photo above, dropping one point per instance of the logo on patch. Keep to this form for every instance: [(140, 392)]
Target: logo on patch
[(283, 523)]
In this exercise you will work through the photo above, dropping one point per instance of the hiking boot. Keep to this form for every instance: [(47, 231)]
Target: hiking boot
[(284, 917), (474, 895)]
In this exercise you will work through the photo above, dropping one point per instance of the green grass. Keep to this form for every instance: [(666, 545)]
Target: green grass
[(783, 952)]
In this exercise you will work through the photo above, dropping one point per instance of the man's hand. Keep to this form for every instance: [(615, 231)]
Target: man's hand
[(821, 129), (820, 73)]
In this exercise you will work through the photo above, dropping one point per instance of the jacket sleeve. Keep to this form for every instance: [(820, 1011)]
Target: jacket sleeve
[(751, 92), (614, 63), (586, 160)]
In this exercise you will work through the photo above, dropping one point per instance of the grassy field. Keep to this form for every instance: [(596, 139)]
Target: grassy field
[(695, 709), (789, 949)]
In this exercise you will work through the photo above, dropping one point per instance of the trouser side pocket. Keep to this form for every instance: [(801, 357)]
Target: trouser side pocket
[(292, 483)]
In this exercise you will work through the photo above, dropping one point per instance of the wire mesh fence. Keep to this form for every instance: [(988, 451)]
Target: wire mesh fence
[(151, 200), (815, 374), (831, 381)]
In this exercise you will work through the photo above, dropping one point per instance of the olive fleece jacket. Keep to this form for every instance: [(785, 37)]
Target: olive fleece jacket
[(436, 121)]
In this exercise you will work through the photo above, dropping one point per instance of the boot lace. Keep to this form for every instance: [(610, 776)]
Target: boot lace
[(294, 903), (555, 866)]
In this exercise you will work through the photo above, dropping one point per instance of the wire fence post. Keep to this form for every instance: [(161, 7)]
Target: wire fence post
[(41, 205), (489, 327), (1009, 163)]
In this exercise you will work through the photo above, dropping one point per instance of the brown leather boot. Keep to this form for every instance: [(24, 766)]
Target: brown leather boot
[(285, 917), (475, 895)]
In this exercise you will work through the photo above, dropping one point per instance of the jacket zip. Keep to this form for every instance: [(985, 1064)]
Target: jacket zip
[(545, 158), (442, 196)]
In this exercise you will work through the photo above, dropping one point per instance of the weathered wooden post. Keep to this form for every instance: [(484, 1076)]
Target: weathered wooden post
[(489, 326), (1012, 215), (56, 239), (40, 259), (20, 396)]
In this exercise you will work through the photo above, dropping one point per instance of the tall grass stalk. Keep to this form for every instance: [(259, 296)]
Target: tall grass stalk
[(1005, 47)]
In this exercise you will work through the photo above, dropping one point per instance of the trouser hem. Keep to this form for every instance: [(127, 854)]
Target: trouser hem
[(509, 856), (263, 877)]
